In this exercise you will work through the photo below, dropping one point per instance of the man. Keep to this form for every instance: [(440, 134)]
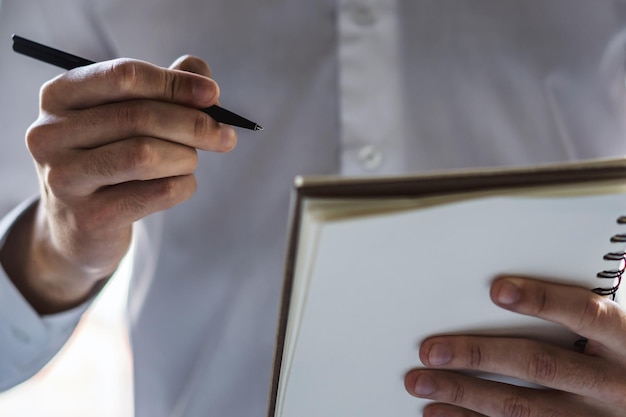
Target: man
[(340, 87)]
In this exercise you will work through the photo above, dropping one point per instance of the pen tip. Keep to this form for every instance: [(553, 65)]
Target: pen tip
[(258, 127)]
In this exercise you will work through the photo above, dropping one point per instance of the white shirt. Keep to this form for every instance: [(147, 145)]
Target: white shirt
[(347, 86)]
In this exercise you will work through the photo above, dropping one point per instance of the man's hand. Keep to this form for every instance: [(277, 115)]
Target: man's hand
[(582, 384), (114, 142)]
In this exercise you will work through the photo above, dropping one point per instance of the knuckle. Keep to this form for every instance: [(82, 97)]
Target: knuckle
[(133, 116), (61, 181), (170, 85), (142, 155), (125, 74), (168, 191), (175, 190), (457, 393), (541, 304), (202, 125), (515, 406), (47, 93), (475, 355), (593, 313), (161, 193), (542, 367), (37, 139)]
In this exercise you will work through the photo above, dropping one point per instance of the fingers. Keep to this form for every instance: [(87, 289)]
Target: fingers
[(125, 79), (489, 398), (529, 361), (199, 66), (136, 126), (83, 172), (100, 125), (122, 98), (581, 384), (580, 310), (131, 201)]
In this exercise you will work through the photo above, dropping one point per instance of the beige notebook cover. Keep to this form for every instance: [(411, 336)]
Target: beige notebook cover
[(375, 265)]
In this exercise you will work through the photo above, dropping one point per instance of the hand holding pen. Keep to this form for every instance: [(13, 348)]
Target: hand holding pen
[(68, 61), (115, 141)]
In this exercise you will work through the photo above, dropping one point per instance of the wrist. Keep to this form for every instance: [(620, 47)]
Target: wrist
[(45, 278)]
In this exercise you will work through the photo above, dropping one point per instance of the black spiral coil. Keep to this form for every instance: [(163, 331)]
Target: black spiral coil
[(614, 274)]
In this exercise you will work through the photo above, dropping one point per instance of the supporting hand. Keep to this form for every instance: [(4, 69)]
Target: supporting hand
[(581, 384)]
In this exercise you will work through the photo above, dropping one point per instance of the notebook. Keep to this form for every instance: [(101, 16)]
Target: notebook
[(376, 265)]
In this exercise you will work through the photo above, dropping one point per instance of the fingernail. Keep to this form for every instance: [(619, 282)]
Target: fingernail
[(509, 293), (424, 385), (439, 354)]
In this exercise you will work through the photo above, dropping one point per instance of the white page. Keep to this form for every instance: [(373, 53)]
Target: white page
[(380, 285)]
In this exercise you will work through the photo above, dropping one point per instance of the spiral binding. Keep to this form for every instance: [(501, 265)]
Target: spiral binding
[(614, 274)]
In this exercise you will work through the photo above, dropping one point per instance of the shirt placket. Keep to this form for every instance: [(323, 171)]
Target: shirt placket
[(372, 119)]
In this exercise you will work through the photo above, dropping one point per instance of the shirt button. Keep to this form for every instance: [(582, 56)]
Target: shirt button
[(370, 157), (363, 15)]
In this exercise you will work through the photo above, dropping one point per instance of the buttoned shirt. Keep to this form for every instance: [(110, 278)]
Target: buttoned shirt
[(347, 87)]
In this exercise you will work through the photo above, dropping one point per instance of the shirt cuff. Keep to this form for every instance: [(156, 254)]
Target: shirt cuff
[(28, 341)]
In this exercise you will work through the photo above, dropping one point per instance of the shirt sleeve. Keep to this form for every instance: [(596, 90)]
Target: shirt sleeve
[(28, 341)]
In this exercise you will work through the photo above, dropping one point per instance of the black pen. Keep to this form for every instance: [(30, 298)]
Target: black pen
[(68, 61)]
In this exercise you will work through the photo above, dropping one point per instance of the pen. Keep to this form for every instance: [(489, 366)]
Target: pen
[(68, 61)]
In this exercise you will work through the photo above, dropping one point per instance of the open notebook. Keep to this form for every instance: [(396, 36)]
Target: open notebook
[(375, 265)]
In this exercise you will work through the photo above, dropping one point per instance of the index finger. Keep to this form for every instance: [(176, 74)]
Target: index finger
[(127, 79), (579, 309)]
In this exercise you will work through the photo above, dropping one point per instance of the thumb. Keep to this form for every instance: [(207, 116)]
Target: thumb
[(193, 64), (190, 63)]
